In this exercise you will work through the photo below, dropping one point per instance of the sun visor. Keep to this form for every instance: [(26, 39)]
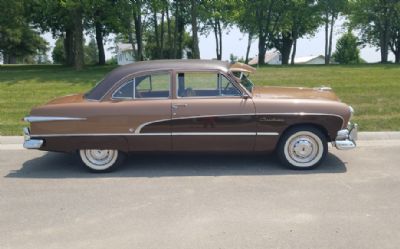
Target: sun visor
[(241, 67)]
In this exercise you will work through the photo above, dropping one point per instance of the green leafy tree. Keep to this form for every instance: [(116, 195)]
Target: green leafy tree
[(58, 53), (331, 9), (347, 51), (379, 24), (299, 18), (91, 53), (19, 43)]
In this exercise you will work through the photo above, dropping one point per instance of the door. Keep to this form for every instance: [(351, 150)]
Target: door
[(210, 114), (146, 101)]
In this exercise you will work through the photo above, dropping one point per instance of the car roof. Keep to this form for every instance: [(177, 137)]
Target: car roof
[(157, 65)]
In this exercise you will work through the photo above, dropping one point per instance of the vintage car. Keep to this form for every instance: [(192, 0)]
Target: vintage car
[(191, 105)]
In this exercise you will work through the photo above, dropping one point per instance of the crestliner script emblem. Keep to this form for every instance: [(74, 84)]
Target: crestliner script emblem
[(266, 119)]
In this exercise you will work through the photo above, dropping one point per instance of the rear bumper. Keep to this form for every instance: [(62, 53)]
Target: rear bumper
[(31, 143), (346, 138)]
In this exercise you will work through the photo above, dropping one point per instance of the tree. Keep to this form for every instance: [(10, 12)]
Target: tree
[(58, 53), (330, 13), (64, 19), (194, 16), (91, 53), (377, 21), (102, 17), (347, 51), (18, 40), (152, 48), (215, 16), (240, 19), (261, 17)]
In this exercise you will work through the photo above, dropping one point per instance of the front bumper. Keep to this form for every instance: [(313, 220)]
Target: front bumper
[(346, 138), (30, 143)]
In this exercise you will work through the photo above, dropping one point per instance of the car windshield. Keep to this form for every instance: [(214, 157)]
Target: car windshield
[(244, 81)]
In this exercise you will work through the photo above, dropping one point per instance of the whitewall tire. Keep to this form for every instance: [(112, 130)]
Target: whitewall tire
[(101, 160), (302, 147)]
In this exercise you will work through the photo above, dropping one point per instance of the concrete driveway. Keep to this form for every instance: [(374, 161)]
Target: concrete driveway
[(47, 200)]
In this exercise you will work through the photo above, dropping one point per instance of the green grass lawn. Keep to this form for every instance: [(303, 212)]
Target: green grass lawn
[(373, 90)]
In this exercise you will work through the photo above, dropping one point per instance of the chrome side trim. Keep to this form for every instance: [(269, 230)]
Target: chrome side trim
[(164, 134), (140, 127), (32, 119), (267, 133), (214, 133)]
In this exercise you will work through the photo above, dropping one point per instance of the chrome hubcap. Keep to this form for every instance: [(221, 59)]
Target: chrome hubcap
[(303, 149), (99, 157)]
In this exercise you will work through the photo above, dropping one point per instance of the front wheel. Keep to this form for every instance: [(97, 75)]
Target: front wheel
[(101, 160), (303, 147)]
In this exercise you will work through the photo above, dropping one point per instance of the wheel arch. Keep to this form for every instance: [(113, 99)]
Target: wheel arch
[(306, 124)]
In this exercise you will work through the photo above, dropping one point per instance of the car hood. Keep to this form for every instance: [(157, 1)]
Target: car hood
[(324, 93), (74, 98)]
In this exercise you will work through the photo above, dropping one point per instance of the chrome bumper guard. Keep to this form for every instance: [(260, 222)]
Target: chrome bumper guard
[(31, 143), (346, 138)]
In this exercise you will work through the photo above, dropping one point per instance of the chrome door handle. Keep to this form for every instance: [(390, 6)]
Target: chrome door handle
[(176, 106)]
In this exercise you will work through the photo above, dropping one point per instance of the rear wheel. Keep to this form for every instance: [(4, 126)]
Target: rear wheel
[(101, 160), (302, 147)]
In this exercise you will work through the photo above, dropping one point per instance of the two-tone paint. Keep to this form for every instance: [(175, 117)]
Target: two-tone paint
[(250, 122)]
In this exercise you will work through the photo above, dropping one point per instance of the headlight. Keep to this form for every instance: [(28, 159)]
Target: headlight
[(351, 112)]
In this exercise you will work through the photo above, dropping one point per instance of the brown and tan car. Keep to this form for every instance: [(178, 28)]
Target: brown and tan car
[(191, 105)]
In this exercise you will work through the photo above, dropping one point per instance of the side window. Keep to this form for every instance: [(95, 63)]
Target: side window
[(146, 86), (152, 86), (205, 84), (125, 91)]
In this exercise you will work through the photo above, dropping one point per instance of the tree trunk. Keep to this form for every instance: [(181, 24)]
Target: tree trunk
[(248, 47), (99, 42), (179, 49), (9, 59), (287, 43), (138, 33), (162, 35), (78, 39), (195, 48), (330, 39), (156, 34), (385, 42), (326, 37), (68, 47), (169, 35), (261, 48), (220, 40), (294, 51), (215, 26)]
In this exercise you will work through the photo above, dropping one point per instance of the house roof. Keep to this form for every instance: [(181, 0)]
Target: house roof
[(269, 56), (302, 60), (124, 47)]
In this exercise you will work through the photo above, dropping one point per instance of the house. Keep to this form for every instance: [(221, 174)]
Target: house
[(125, 53), (271, 57), (310, 60)]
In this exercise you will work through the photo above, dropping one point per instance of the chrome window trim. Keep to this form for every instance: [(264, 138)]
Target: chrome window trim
[(134, 86), (131, 81), (32, 119)]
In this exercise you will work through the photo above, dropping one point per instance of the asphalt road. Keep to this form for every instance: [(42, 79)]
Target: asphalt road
[(202, 201)]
